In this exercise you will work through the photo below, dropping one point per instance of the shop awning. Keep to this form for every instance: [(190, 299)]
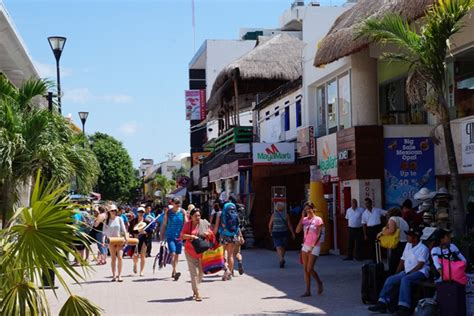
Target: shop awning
[(179, 192)]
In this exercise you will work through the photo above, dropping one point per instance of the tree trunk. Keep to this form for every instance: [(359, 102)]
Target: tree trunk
[(7, 201), (458, 214)]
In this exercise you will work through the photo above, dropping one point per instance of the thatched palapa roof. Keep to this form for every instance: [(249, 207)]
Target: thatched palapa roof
[(277, 58), (341, 40)]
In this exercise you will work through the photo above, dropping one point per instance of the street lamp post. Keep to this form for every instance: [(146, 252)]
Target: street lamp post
[(57, 45), (83, 116)]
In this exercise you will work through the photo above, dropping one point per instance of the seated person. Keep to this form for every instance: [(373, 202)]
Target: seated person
[(443, 249), (413, 267)]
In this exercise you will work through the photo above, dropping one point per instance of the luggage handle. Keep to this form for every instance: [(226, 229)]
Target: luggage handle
[(378, 252)]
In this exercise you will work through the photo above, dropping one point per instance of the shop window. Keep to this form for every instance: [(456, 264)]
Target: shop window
[(287, 119), (344, 86), (464, 84), (321, 106), (298, 113), (332, 106), (394, 106)]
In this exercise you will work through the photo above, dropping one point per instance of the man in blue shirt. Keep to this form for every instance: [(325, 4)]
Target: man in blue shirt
[(173, 223)]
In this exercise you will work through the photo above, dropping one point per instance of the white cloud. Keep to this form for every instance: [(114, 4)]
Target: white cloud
[(83, 95), (129, 128), (49, 70)]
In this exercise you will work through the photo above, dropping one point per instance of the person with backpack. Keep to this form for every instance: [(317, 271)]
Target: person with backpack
[(228, 229), (173, 222), (279, 226)]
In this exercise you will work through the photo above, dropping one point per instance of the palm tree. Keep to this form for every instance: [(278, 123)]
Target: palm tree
[(40, 238), (32, 137), (163, 184), (426, 51)]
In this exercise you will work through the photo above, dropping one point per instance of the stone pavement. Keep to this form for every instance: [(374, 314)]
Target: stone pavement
[(264, 289)]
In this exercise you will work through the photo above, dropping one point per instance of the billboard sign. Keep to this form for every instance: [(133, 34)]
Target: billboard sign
[(273, 153), (195, 104)]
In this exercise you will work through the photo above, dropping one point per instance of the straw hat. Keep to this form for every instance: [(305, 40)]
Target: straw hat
[(140, 226), (424, 194)]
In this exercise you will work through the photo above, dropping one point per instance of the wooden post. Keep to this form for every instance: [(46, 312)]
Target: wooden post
[(236, 101)]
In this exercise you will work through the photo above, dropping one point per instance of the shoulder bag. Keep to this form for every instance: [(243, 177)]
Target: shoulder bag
[(391, 241), (200, 244)]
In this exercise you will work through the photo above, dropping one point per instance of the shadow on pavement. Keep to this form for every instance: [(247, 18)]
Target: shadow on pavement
[(92, 282), (171, 300), (150, 279), (341, 281)]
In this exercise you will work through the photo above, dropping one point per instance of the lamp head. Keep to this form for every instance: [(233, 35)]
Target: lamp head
[(57, 45), (83, 116)]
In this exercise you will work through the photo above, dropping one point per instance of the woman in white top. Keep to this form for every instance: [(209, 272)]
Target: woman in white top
[(114, 227), (395, 222), (443, 248)]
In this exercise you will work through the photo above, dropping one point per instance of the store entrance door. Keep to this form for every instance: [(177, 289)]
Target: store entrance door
[(341, 219)]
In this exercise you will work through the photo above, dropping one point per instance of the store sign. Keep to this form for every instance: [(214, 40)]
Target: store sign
[(343, 155), (305, 142), (199, 157), (205, 182), (409, 166), (272, 154), (195, 104), (327, 155), (467, 143)]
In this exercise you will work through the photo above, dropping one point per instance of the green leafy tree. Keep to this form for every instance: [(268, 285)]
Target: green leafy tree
[(32, 137), (163, 184), (177, 173), (40, 238), (426, 50), (117, 179)]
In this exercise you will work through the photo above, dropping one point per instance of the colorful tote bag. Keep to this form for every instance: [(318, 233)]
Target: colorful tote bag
[(213, 260)]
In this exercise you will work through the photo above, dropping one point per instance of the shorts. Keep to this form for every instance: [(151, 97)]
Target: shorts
[(315, 251), (280, 239), (102, 249), (141, 243), (175, 246), (224, 240)]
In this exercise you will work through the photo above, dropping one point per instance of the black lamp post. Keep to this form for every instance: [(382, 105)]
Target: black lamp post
[(57, 45), (83, 116)]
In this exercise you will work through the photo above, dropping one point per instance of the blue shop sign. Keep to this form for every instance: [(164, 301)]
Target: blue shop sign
[(409, 166)]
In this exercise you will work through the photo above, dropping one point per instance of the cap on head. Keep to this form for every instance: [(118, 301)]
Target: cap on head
[(113, 207), (141, 210), (413, 231), (176, 201)]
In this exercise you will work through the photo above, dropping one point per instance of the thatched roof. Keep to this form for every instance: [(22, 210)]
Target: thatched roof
[(340, 40), (276, 58)]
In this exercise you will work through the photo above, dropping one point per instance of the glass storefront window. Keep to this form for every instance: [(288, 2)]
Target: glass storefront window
[(464, 83), (332, 106), (344, 86), (321, 106)]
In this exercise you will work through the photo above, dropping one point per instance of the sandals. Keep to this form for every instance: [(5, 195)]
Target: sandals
[(114, 279), (198, 299), (176, 276), (119, 279), (320, 288), (306, 294)]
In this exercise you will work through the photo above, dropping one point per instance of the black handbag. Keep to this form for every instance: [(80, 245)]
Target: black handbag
[(200, 245)]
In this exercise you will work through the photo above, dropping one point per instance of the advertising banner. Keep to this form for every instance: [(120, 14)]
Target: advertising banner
[(273, 154), (409, 166), (467, 147), (327, 157), (305, 142), (195, 104), (198, 157)]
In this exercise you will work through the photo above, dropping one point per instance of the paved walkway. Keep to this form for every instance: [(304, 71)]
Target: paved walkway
[(263, 289)]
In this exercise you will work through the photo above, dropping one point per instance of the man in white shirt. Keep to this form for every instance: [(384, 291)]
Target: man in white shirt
[(354, 223), (372, 224), (414, 266)]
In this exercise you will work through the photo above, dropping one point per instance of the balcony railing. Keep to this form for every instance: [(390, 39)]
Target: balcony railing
[(235, 135)]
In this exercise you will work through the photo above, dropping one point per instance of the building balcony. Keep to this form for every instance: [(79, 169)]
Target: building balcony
[(235, 135)]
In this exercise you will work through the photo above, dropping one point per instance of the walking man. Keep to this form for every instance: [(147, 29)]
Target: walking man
[(354, 222), (149, 217), (372, 224), (173, 223)]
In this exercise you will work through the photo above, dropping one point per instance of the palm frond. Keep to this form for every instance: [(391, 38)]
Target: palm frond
[(80, 306), (392, 29), (30, 89), (24, 299)]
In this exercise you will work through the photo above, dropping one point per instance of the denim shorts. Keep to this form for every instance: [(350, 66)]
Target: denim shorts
[(175, 246), (280, 239)]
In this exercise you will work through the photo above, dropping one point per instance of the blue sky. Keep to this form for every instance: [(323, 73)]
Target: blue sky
[(126, 61)]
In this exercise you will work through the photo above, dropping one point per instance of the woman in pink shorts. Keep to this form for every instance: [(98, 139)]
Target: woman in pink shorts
[(313, 228)]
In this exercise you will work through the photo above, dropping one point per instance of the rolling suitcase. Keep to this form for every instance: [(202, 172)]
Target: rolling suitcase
[(373, 278), (450, 295)]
